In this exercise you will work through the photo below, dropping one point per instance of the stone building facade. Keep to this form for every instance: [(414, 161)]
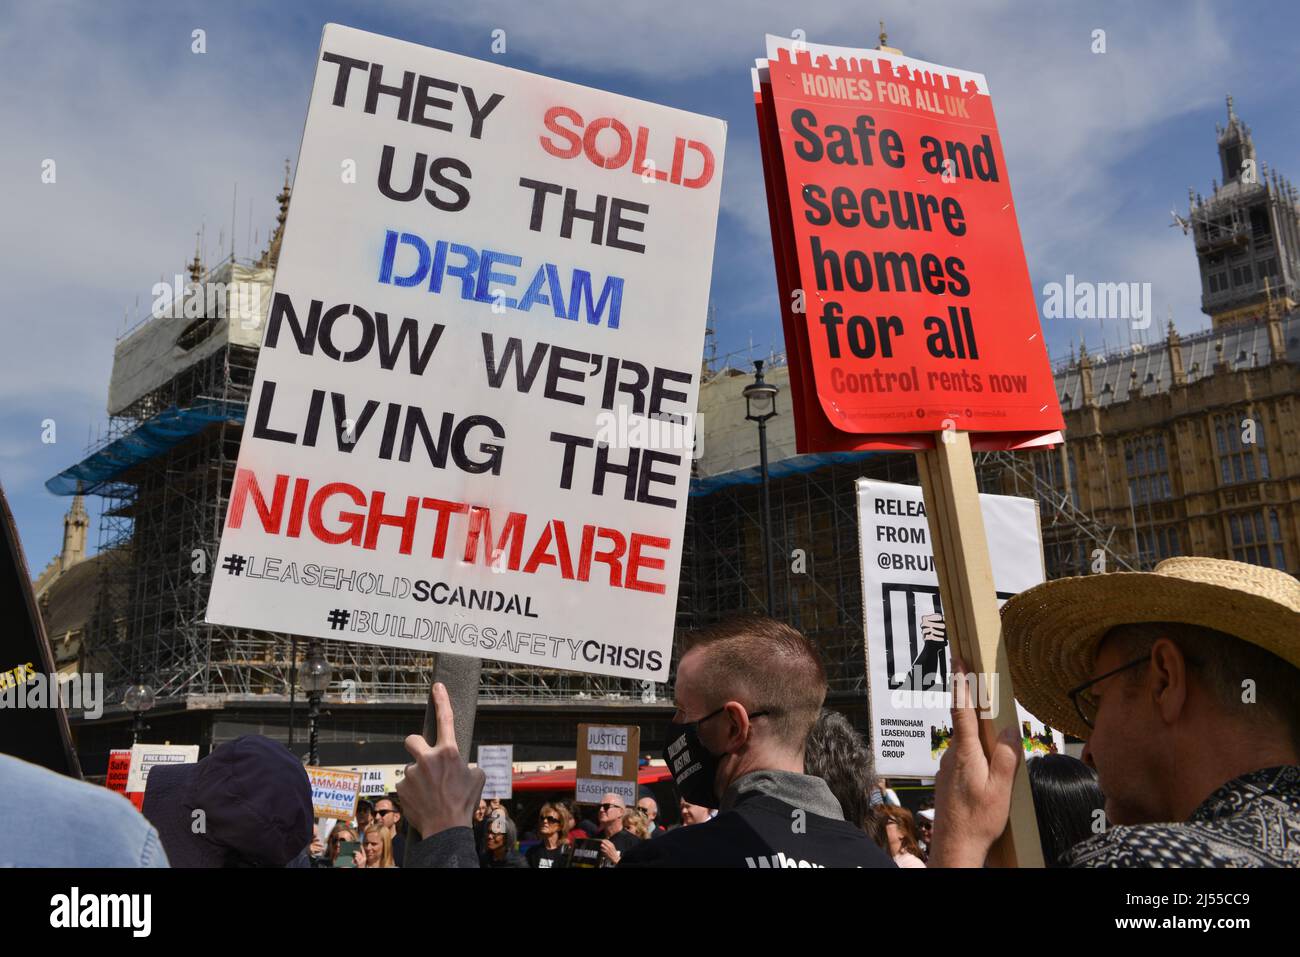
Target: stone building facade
[(1192, 446)]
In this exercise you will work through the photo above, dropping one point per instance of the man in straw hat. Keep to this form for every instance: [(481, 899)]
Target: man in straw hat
[(1185, 681)]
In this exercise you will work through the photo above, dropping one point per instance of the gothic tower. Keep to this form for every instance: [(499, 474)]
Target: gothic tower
[(74, 535), (1247, 234)]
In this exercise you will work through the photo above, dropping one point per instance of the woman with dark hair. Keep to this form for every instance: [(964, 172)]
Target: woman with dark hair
[(900, 831), (874, 825), (836, 753), (500, 849), (1067, 802)]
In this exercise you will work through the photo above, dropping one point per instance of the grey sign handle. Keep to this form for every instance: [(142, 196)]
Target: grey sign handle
[(460, 675)]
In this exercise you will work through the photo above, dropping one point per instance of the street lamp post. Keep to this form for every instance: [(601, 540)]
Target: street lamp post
[(760, 405), (293, 685), (315, 679), (139, 699)]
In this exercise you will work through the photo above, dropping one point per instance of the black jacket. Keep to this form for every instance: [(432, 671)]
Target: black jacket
[(768, 819), (453, 847), (512, 859)]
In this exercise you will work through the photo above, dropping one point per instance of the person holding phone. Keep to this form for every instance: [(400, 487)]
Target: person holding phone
[(344, 848)]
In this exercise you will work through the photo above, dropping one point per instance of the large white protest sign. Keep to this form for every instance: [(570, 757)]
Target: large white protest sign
[(908, 662), (470, 428)]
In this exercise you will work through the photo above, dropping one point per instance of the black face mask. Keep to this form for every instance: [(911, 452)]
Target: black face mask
[(694, 767)]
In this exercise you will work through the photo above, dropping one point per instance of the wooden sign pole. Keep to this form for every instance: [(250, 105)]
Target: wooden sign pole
[(460, 675), (970, 612)]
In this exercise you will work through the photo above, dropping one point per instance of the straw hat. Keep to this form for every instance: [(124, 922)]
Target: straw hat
[(1052, 630)]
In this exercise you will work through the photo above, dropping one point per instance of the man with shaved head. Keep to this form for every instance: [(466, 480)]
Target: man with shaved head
[(748, 691)]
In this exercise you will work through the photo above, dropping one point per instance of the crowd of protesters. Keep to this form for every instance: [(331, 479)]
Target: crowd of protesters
[(610, 829), (1183, 682)]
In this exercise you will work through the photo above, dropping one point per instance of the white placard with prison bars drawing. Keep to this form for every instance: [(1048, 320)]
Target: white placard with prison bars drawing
[(908, 661)]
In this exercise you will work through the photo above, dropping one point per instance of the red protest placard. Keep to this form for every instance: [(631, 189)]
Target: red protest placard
[(895, 225), (119, 766), (813, 432)]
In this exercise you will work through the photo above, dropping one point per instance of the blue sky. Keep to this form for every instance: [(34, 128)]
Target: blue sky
[(150, 140)]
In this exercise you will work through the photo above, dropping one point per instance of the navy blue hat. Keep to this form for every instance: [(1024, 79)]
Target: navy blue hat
[(256, 802)]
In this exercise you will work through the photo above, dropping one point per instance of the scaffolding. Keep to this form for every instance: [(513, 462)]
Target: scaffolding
[(818, 582), (162, 523), (1074, 543), (818, 586)]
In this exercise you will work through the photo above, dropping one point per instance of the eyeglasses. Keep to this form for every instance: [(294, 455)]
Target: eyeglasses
[(551, 820), (384, 812), (1084, 703), (606, 807)]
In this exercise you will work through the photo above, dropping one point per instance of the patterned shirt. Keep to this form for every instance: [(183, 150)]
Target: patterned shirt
[(1252, 821)]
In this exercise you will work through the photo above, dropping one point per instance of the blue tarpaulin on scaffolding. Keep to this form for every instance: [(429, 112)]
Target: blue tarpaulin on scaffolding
[(150, 438), (173, 426), (778, 469)]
